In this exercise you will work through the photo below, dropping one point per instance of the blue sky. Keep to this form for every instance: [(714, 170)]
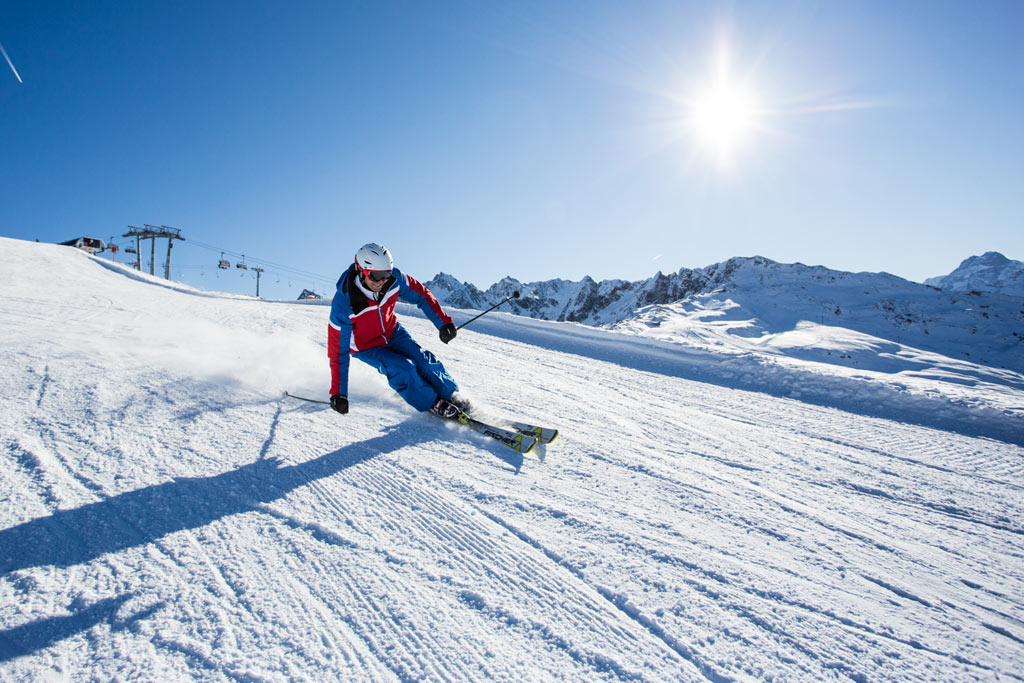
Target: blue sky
[(532, 139)]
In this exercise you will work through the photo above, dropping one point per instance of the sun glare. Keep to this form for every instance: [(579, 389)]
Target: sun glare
[(723, 115)]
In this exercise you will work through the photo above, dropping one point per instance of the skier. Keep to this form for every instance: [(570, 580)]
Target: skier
[(363, 319)]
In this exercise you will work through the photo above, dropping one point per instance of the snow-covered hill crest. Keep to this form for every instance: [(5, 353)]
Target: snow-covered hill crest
[(991, 272)]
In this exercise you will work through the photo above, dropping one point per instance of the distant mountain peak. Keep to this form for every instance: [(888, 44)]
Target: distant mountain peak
[(989, 272), (991, 256)]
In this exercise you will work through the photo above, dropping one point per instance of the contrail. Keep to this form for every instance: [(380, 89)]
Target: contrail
[(10, 64)]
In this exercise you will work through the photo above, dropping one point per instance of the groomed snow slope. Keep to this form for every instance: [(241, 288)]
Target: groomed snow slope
[(167, 515)]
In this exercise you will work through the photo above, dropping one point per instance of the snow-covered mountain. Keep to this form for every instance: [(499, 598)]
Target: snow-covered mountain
[(168, 515), (756, 302), (990, 272), (586, 301)]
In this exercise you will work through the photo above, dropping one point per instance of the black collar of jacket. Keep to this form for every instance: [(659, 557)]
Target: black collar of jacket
[(356, 297)]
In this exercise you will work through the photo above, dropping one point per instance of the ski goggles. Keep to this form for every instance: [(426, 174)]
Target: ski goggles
[(375, 275)]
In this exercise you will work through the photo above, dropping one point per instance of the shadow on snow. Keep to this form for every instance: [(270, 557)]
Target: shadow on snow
[(37, 635), (127, 520), (70, 537)]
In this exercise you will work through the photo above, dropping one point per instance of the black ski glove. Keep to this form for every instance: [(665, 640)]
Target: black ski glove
[(340, 403), (448, 332)]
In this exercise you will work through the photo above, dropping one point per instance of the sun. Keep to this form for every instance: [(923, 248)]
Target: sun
[(723, 115), (722, 119)]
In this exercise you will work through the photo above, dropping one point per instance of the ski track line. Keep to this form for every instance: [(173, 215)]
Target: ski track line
[(44, 382), (374, 623), (777, 499), (893, 497), (453, 527), (365, 619), (129, 573), (898, 437), (38, 452), (295, 606), (469, 544), (964, 461), (56, 311), (907, 642), (961, 483), (619, 602), (740, 606), (34, 472), (887, 453), (52, 444), (937, 508), (350, 647)]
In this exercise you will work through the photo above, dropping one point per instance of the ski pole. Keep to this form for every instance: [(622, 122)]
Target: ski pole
[(303, 398), (515, 295)]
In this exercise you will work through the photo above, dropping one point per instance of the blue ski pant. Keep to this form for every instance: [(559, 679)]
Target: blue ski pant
[(415, 373)]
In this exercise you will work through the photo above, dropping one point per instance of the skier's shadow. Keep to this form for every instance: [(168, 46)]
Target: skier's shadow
[(32, 637), (127, 520)]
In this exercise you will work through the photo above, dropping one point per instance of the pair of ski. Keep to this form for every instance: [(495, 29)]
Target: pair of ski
[(520, 436)]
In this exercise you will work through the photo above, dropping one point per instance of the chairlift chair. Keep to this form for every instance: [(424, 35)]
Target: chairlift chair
[(241, 264), (223, 263)]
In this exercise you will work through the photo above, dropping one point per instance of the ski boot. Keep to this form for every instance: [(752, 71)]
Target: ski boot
[(446, 409)]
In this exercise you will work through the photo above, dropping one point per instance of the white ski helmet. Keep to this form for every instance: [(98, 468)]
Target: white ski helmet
[(374, 257)]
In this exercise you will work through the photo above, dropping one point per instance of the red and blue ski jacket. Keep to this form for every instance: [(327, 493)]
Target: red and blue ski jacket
[(362, 323)]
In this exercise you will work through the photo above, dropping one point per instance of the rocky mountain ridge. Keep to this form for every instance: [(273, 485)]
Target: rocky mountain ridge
[(588, 301), (755, 298)]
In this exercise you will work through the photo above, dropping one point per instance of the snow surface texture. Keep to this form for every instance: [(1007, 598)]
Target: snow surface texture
[(167, 515)]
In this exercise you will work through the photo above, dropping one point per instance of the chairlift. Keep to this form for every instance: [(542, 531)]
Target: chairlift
[(130, 250), (241, 264), (223, 263)]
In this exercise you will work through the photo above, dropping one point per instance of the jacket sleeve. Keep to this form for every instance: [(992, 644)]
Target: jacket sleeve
[(339, 333), (414, 292)]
